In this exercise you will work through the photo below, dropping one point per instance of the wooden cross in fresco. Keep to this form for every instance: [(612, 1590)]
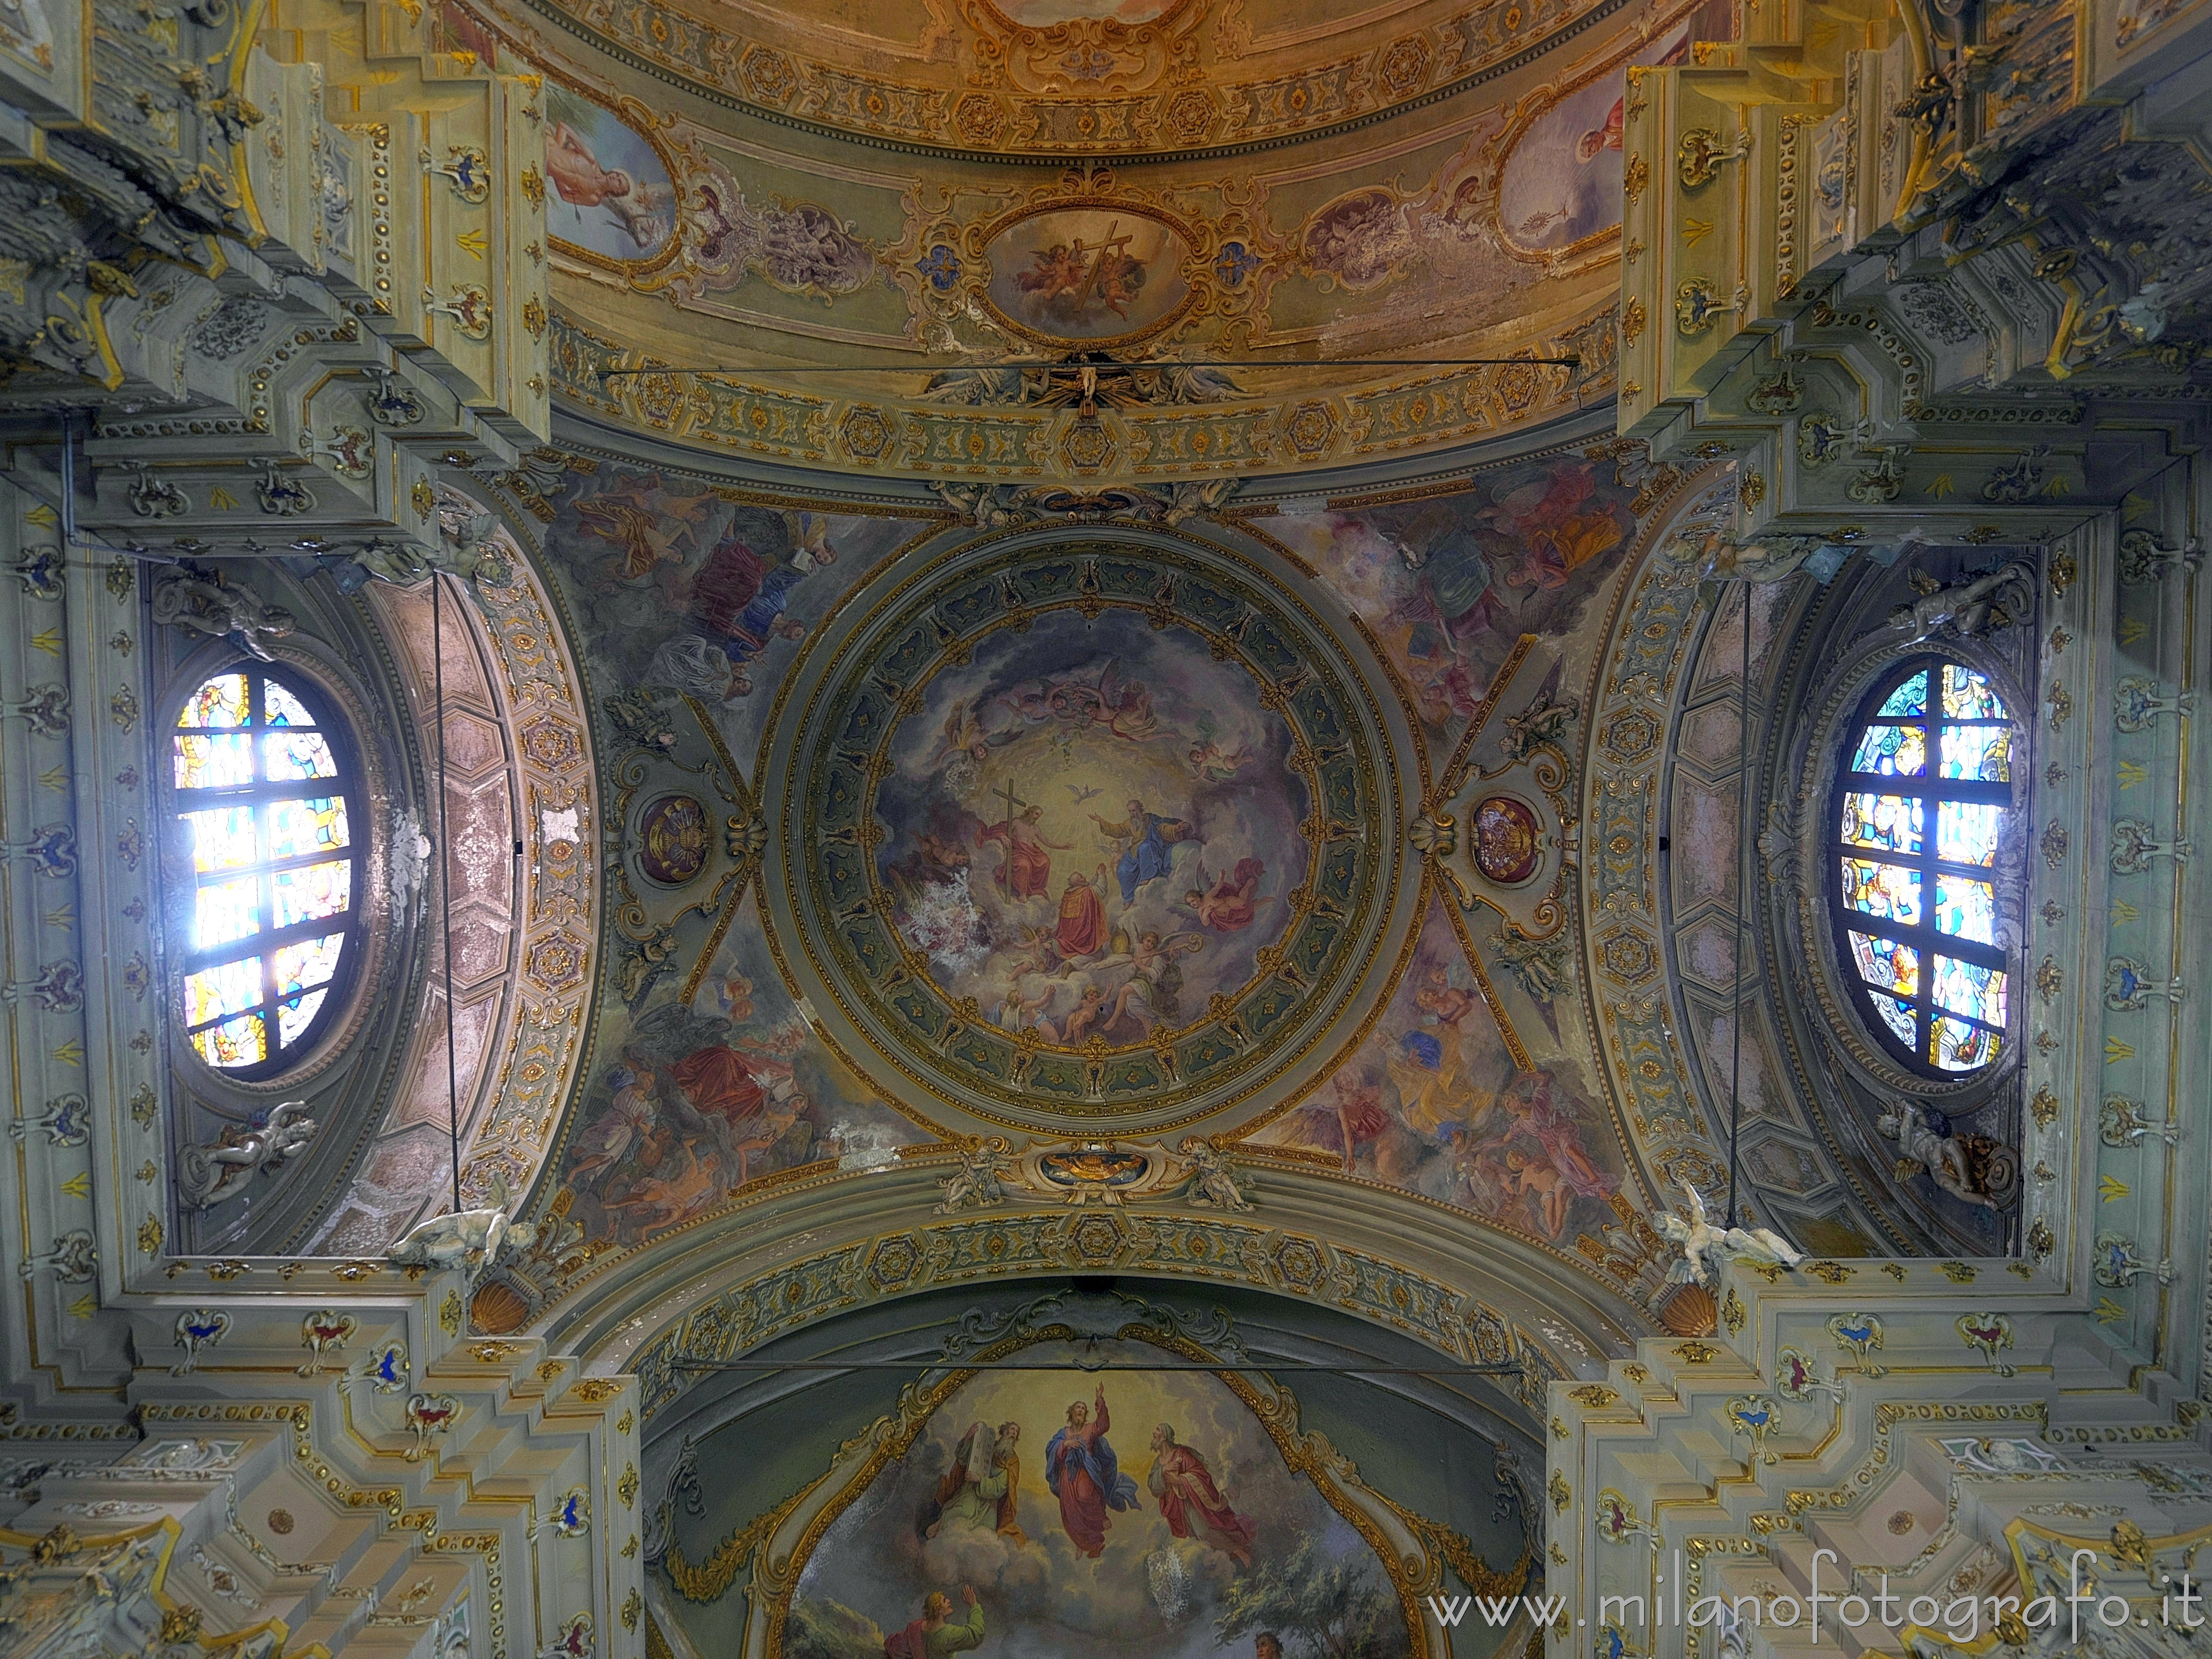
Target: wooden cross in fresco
[(1007, 862)]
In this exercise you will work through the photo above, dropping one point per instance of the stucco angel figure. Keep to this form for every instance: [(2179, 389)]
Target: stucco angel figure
[(1705, 1247), (1207, 1177), (207, 1176), (1948, 1158), (1995, 599), (474, 1239), (982, 1180), (208, 605)]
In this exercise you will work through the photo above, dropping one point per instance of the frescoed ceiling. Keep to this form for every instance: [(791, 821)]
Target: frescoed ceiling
[(923, 838), (901, 236)]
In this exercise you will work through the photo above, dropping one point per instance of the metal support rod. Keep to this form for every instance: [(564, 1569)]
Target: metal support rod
[(940, 1364), (445, 878), (1108, 367), (1742, 879)]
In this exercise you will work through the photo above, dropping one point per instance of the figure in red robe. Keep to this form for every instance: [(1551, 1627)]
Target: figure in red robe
[(1083, 1473), (725, 585), (733, 1086), (1193, 1507), (1028, 865), (1082, 929)]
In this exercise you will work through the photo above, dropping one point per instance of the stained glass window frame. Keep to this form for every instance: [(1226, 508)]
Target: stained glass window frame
[(261, 797), (1928, 791)]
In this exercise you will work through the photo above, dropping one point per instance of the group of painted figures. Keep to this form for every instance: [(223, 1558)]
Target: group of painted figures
[(1082, 1472), (1097, 951)]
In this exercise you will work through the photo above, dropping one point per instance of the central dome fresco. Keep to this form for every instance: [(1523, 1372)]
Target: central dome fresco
[(1099, 828)]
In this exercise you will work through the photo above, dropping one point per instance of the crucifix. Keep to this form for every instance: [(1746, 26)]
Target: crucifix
[(1006, 861), (1111, 245)]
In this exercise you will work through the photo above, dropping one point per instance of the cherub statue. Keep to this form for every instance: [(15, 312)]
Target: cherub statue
[(207, 1176), (204, 603), (1207, 1177), (1949, 1159), (982, 1180), (1705, 1247), (1995, 599), (474, 1239), (981, 505)]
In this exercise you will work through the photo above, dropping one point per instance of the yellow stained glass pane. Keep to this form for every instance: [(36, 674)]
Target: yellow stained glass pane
[(240, 1041), (219, 702)]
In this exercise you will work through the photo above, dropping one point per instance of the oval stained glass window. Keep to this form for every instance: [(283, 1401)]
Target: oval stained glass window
[(1920, 805), (261, 802)]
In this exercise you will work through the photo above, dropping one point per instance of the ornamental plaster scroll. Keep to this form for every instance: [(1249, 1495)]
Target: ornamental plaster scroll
[(1105, 1172), (526, 760)]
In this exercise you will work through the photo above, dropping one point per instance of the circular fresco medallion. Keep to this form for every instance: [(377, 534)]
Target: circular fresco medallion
[(673, 840), (1505, 840), (1089, 830)]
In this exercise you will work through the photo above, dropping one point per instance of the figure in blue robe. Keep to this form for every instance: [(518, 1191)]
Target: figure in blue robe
[(1148, 837)]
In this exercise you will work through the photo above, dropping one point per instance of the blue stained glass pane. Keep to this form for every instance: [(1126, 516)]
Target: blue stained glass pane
[(1966, 831), (1968, 987), (1891, 823), (1899, 751), (1882, 890), (1976, 753), (289, 755), (1909, 698), (1895, 1015), (280, 708), (223, 839), (1954, 1046), (215, 762), (1886, 964), (1966, 909), (1968, 697), (224, 911), (225, 988), (297, 828)]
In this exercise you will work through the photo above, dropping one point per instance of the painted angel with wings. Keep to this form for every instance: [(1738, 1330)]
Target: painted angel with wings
[(964, 734)]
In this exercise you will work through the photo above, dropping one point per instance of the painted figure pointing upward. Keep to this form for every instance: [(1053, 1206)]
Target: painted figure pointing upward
[(1083, 1473)]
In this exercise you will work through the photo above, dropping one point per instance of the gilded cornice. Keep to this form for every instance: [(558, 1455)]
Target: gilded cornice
[(1180, 88)]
